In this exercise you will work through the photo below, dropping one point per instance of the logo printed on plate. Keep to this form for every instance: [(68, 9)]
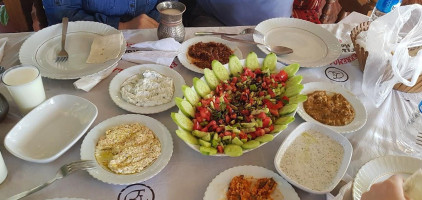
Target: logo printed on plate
[(336, 74), (137, 191)]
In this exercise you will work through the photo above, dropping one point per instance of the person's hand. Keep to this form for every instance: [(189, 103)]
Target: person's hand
[(140, 22), (390, 189)]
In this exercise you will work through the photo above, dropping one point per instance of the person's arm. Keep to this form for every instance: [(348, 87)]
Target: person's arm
[(390, 189), (56, 10), (139, 22)]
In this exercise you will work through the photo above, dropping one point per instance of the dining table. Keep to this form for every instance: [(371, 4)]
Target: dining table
[(188, 173)]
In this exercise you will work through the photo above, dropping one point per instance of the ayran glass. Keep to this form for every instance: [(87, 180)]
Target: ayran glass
[(25, 85)]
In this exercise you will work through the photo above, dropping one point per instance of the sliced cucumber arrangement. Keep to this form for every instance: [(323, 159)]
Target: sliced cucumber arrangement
[(235, 66), (251, 61), (201, 87), (190, 95), (211, 78), (220, 71), (226, 138), (270, 62)]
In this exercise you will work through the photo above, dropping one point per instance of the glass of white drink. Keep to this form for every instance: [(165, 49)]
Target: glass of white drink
[(25, 86)]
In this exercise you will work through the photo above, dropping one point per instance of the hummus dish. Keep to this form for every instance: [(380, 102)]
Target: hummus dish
[(127, 148), (333, 110), (147, 89)]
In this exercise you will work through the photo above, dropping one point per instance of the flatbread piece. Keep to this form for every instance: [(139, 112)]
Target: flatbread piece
[(105, 48)]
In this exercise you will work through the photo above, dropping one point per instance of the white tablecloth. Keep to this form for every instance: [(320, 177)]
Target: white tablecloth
[(188, 173)]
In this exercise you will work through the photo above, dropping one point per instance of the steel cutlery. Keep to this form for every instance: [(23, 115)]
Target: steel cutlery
[(62, 56), (64, 171), (243, 32), (279, 50)]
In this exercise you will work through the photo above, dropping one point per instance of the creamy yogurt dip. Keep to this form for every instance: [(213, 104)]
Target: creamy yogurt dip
[(148, 89), (312, 160)]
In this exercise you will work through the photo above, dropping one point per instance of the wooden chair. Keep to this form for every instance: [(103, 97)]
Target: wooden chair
[(26, 15)]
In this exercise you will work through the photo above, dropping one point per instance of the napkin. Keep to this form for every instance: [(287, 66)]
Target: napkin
[(160, 57), (2, 45), (88, 82), (166, 44), (163, 52)]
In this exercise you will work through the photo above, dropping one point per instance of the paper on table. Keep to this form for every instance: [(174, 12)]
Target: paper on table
[(166, 44), (159, 57), (2, 45), (163, 52), (88, 82)]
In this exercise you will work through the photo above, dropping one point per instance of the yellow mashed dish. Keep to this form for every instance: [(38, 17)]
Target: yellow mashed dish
[(127, 148), (332, 110)]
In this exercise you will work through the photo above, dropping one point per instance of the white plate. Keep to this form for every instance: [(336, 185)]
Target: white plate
[(91, 139), (118, 80), (360, 111), (41, 49), (186, 44), (382, 168), (279, 66), (217, 189), (312, 45), (51, 128), (306, 126)]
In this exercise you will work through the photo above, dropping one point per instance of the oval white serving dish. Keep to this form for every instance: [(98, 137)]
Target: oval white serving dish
[(51, 128)]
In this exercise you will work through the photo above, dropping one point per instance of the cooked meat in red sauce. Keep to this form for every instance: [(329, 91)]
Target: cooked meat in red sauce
[(242, 188), (202, 54)]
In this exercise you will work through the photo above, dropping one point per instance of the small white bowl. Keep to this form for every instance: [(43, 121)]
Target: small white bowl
[(306, 126), (51, 128)]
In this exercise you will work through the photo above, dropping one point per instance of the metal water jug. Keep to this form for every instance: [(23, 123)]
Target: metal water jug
[(171, 20)]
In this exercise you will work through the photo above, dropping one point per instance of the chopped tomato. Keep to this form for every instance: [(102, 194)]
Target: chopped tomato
[(274, 112), (196, 125), (242, 135), (205, 113), (266, 122), (259, 132), (280, 77), (220, 149), (262, 115)]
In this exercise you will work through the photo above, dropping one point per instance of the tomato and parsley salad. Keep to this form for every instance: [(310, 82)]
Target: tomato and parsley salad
[(238, 107), (243, 107)]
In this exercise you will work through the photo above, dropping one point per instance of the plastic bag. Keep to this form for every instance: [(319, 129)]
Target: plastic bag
[(388, 41)]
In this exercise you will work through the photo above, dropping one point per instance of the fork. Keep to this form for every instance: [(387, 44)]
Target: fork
[(62, 56), (64, 171), (243, 32), (419, 139)]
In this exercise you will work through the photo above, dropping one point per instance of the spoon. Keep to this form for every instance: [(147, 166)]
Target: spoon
[(243, 32), (278, 50)]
